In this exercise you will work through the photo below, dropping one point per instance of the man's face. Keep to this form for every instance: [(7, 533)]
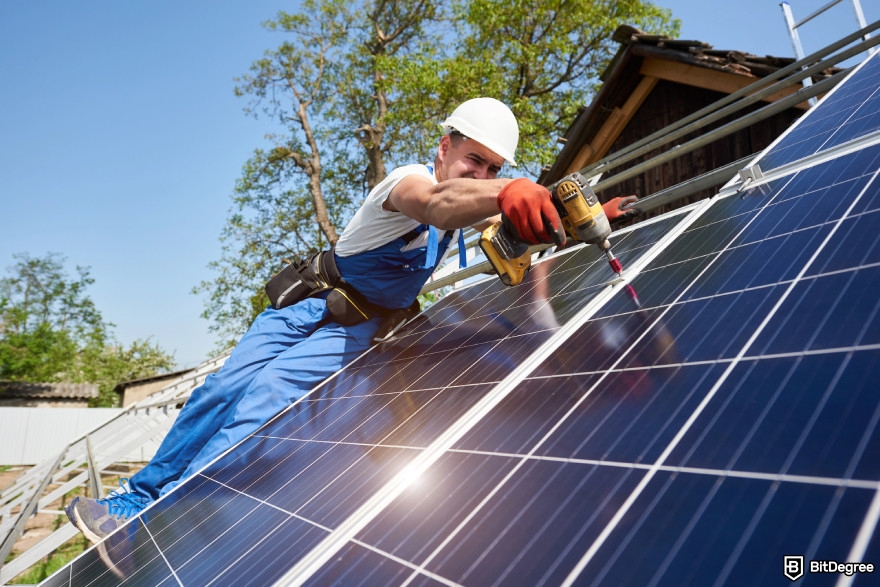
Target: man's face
[(463, 157)]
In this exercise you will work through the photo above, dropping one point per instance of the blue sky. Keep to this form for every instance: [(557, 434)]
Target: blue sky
[(121, 138)]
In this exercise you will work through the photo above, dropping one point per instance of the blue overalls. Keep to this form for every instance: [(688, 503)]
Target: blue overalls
[(283, 356)]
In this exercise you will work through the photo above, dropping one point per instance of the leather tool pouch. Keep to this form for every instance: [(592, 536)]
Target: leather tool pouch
[(296, 282), (314, 275)]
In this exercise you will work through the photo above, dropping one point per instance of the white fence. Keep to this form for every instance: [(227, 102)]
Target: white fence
[(32, 435)]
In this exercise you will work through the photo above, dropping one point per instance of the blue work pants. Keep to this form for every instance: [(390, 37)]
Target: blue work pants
[(283, 356)]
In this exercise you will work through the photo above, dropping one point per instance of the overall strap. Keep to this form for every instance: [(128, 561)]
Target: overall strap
[(462, 257), (433, 241)]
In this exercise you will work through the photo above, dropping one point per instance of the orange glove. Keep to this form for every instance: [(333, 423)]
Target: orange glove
[(530, 212), (614, 208)]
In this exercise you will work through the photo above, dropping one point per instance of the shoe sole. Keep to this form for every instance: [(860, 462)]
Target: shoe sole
[(74, 519)]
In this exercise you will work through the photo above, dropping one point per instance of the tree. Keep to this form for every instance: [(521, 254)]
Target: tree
[(51, 331), (543, 58), (360, 86)]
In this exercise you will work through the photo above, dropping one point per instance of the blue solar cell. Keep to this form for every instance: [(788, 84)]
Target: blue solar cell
[(812, 417), (628, 416), (361, 566), (691, 529), (759, 263), (788, 415), (855, 244), (549, 511), (850, 112), (833, 311), (139, 559), (706, 329), (465, 477)]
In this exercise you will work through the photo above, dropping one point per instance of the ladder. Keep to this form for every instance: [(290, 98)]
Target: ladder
[(792, 27)]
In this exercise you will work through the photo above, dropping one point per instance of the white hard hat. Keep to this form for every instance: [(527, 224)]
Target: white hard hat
[(487, 121)]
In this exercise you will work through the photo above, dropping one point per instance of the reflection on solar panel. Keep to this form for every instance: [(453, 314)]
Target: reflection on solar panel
[(695, 428)]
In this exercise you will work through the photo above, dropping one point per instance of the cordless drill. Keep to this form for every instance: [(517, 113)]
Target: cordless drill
[(582, 218)]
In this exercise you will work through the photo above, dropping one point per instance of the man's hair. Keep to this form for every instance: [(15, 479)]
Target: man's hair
[(456, 137)]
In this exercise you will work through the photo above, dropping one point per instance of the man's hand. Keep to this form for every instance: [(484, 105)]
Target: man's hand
[(614, 208), (528, 210)]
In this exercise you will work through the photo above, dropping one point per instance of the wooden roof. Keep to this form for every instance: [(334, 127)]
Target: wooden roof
[(640, 63), (21, 390)]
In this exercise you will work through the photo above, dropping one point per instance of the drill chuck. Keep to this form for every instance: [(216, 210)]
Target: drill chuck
[(582, 215), (580, 211)]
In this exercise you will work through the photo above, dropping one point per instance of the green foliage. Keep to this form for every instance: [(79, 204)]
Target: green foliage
[(543, 59), (113, 363), (358, 87), (51, 331)]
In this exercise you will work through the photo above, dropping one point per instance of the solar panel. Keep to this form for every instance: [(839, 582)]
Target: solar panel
[(845, 114), (693, 426)]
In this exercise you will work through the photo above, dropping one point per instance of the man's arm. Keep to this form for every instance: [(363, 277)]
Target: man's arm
[(460, 202), (454, 203)]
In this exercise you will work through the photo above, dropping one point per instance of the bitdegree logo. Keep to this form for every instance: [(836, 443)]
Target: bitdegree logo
[(793, 567), (847, 569)]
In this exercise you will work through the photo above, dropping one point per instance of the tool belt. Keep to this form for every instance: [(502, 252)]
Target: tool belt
[(317, 274)]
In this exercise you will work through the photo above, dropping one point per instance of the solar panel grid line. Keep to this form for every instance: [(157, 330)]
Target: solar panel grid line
[(378, 501), (649, 476), (405, 563), (164, 558), (812, 352), (809, 117), (632, 269), (247, 552), (867, 531)]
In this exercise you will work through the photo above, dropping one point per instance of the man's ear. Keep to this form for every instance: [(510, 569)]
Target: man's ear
[(445, 145)]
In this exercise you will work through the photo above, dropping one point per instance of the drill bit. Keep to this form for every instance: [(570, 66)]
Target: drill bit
[(614, 261)]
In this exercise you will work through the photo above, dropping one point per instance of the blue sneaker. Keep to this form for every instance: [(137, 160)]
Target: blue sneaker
[(97, 518)]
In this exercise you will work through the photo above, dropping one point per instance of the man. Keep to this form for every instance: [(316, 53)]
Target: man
[(385, 255)]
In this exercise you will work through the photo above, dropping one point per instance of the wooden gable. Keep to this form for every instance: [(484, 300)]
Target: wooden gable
[(653, 82)]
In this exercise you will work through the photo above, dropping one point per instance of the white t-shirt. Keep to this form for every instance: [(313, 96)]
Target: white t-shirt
[(373, 226)]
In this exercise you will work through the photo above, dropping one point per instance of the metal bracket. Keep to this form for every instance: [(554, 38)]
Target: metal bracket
[(749, 175)]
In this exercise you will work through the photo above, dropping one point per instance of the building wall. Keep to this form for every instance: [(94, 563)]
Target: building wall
[(670, 102), (135, 393)]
